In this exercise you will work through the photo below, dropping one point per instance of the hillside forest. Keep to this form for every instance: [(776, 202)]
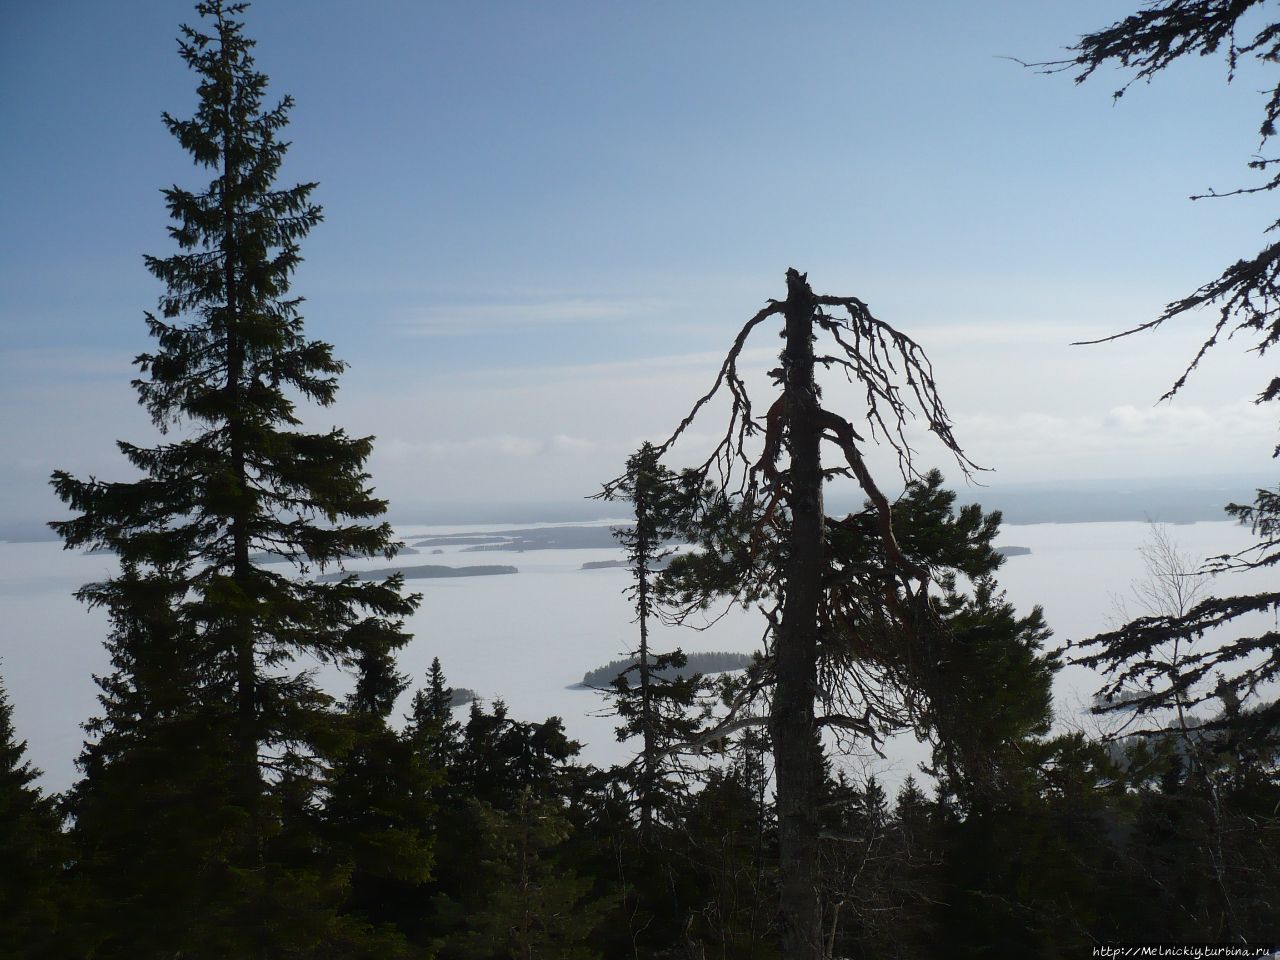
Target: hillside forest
[(229, 806)]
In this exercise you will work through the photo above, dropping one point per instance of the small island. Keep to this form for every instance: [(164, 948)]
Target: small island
[(1013, 551), (712, 661), (461, 696)]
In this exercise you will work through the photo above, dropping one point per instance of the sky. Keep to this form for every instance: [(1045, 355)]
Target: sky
[(544, 224)]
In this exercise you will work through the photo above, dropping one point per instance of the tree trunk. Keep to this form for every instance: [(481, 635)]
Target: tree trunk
[(792, 724), (647, 719), (249, 785)]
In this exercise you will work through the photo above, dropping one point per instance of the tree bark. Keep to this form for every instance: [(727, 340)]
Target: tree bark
[(792, 724)]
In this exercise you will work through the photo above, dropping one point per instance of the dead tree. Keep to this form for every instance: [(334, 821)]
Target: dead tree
[(766, 539)]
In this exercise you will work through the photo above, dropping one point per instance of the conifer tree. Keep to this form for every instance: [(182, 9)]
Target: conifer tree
[(32, 850), (503, 770), (653, 700), (380, 810), (231, 362), (531, 904), (153, 818), (434, 733)]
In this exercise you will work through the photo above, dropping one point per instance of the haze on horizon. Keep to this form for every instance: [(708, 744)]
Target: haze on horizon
[(544, 224)]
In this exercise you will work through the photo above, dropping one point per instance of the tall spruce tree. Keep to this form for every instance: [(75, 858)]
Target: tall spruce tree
[(230, 363), (651, 696)]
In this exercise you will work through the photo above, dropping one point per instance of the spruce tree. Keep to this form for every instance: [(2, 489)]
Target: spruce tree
[(32, 850), (652, 699), (380, 811), (435, 735), (529, 902), (230, 363)]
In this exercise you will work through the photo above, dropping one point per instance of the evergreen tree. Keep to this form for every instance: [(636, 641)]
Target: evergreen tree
[(728, 859), (531, 903), (656, 706), (32, 851), (500, 766), (380, 811), (231, 361), (432, 729), (153, 819)]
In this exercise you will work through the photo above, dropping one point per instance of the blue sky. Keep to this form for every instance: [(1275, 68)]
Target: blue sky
[(544, 220)]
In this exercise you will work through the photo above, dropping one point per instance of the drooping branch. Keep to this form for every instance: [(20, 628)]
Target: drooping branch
[(876, 355), (899, 386), (741, 424), (844, 435)]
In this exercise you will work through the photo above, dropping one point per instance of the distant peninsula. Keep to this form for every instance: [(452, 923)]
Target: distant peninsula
[(660, 564), (529, 538), (424, 572), (269, 556)]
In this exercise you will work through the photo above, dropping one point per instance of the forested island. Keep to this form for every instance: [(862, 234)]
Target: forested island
[(262, 777), (713, 661), (603, 564)]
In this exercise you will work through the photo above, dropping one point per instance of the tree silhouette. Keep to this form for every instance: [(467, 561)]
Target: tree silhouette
[(653, 701), (230, 363), (766, 537), (32, 850), (1236, 674)]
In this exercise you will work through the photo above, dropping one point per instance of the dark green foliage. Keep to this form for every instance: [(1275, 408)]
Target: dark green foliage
[(153, 817), (32, 852), (727, 850), (880, 870), (215, 738), (527, 901), (432, 729), (655, 695), (498, 767), (380, 809)]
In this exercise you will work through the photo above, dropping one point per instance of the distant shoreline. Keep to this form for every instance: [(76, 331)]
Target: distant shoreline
[(1109, 501), (8, 535)]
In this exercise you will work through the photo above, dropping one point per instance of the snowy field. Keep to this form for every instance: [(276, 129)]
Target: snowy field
[(528, 638)]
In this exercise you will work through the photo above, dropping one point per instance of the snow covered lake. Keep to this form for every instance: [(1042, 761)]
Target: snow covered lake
[(528, 638)]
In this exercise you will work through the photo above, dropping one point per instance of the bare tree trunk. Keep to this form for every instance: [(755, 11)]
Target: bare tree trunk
[(792, 724)]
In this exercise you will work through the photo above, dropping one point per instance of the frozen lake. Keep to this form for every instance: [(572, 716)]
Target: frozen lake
[(528, 638)]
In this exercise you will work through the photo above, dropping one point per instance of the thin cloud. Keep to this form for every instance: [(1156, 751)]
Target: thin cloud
[(469, 318)]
